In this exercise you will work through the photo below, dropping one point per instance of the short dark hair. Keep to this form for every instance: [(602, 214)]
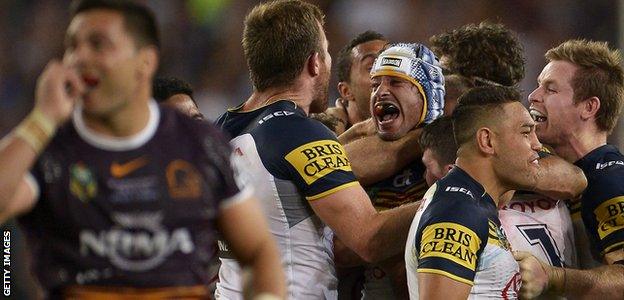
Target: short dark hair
[(138, 19), (479, 107), (165, 87), (345, 61), (278, 38), (438, 137), (487, 51)]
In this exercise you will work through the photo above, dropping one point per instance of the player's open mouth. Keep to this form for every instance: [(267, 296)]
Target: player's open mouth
[(90, 81), (385, 112), (538, 116)]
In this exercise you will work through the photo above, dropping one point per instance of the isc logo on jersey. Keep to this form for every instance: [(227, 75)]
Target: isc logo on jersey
[(450, 241), (317, 159)]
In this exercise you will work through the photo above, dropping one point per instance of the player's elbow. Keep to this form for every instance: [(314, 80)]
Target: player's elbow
[(580, 186), (344, 257), (574, 186), (371, 251)]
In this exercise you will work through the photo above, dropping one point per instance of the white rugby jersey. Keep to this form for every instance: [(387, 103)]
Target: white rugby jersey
[(540, 225), (456, 233), (290, 160)]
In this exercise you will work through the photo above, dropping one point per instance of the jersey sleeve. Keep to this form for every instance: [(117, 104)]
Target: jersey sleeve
[(603, 208), (451, 238), (309, 155)]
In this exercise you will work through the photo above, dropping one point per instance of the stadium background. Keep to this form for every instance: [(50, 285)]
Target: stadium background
[(201, 44)]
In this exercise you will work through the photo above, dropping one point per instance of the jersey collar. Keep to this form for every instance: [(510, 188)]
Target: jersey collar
[(117, 144)]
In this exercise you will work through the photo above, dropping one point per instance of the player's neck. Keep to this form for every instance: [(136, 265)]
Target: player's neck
[(481, 170), (579, 144), (124, 121), (296, 92)]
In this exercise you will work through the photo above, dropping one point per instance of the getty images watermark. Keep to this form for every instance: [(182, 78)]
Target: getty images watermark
[(6, 263)]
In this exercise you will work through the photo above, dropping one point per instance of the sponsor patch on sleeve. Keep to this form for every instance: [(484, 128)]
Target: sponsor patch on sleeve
[(316, 159), (451, 241), (610, 216)]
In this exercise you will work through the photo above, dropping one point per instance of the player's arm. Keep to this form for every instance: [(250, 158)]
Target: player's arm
[(57, 90), (539, 278), (434, 286), (559, 179), (344, 257), (372, 235), (606, 282), (374, 159), (357, 131), (441, 273), (246, 232)]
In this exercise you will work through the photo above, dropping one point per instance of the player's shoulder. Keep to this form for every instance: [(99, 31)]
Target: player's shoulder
[(289, 129), (604, 168), (604, 161), (458, 188), (456, 198)]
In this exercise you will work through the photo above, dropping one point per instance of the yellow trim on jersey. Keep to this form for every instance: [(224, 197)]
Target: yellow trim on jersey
[(450, 241), (608, 249), (410, 79), (610, 216), (446, 274), (315, 160), (493, 238), (331, 191)]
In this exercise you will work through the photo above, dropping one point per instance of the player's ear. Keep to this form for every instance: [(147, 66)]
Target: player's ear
[(345, 91), (484, 140), (589, 107), (313, 64), (148, 61)]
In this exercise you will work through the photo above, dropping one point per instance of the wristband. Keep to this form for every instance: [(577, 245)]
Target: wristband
[(36, 130)]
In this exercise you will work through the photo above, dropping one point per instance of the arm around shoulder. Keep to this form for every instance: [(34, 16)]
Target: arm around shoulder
[(560, 179)]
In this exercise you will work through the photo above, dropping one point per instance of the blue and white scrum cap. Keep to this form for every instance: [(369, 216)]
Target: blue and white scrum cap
[(418, 64)]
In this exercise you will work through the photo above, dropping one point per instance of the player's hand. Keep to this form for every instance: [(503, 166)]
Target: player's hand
[(58, 89), (339, 111), (535, 275)]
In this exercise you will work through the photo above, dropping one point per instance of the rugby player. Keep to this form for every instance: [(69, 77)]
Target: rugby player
[(408, 91), (456, 247), (112, 208), (355, 61), (532, 222), (576, 106), (299, 169), (354, 64)]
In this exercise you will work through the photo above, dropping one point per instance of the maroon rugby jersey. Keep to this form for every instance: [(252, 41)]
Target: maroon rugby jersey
[(135, 212)]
